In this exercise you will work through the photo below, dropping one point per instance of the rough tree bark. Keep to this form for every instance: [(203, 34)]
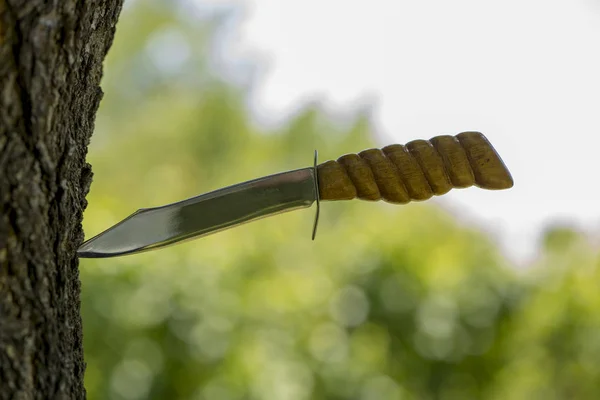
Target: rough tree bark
[(51, 54)]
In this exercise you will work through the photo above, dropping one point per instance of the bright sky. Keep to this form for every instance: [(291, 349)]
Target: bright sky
[(525, 73)]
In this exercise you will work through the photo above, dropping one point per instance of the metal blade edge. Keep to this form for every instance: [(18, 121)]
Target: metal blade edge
[(206, 214)]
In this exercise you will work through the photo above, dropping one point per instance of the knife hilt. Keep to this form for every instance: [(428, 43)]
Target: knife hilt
[(415, 171)]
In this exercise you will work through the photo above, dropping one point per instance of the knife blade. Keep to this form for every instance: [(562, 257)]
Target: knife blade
[(396, 174)]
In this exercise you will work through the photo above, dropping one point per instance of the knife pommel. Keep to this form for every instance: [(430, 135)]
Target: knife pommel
[(415, 171)]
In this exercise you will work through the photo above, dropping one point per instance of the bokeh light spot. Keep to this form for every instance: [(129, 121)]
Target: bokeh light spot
[(349, 306)]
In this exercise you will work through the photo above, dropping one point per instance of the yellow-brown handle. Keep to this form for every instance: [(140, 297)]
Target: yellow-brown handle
[(415, 171)]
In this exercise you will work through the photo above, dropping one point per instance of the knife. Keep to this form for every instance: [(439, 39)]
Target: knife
[(396, 174)]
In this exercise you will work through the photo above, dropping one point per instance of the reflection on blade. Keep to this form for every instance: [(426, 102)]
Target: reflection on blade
[(225, 208)]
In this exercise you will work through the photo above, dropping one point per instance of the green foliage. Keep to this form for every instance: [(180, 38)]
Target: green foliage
[(388, 303)]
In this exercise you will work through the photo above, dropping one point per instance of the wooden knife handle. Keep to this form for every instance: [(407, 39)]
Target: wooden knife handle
[(415, 171)]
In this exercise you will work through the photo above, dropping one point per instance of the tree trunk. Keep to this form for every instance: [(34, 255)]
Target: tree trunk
[(51, 54)]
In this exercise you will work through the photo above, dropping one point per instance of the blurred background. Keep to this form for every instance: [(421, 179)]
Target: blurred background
[(473, 295)]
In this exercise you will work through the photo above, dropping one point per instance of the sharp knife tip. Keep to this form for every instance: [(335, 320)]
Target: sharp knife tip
[(89, 251)]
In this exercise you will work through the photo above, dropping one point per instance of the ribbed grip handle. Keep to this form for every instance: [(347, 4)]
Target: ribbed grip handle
[(415, 171)]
